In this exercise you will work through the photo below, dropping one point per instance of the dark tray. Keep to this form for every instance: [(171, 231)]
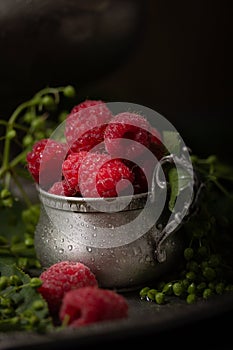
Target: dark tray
[(175, 324)]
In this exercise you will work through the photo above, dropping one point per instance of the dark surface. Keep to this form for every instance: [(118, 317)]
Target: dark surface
[(174, 325)]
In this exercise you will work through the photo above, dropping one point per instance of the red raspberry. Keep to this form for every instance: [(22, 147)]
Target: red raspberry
[(85, 104), (45, 160), (85, 125), (129, 126), (88, 305), (62, 277), (99, 175), (70, 169), (62, 188)]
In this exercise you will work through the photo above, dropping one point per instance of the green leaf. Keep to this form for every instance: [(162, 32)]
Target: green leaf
[(178, 179), (171, 140), (24, 298)]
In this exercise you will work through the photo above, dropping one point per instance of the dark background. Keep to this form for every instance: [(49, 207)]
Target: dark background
[(172, 56)]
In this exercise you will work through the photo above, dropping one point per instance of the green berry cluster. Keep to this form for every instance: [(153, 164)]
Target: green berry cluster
[(203, 277), (206, 268), (21, 306), (31, 121)]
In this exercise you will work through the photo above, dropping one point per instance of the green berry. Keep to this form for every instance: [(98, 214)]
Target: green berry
[(185, 283), (35, 282), (28, 140), (38, 123), (191, 276), (22, 262), (28, 117), (69, 91), (48, 101), (209, 273), (38, 305), (29, 242), (191, 298), (5, 302), (151, 294), (168, 288), (219, 288), (178, 288), (188, 253), (33, 320), (143, 292), (62, 116), (11, 134), (207, 293), (3, 282), (5, 193), (15, 280), (160, 298), (191, 288)]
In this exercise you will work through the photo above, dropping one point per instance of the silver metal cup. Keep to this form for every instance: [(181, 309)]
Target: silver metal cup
[(122, 241)]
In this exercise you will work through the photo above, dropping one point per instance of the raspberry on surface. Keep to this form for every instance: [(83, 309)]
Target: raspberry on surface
[(88, 305), (62, 277), (44, 161), (85, 125), (131, 126), (101, 176)]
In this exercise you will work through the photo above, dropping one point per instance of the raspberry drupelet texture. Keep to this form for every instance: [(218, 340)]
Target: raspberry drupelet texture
[(105, 155), (87, 305), (62, 188), (127, 126), (70, 169), (85, 125), (45, 160), (62, 277), (101, 176)]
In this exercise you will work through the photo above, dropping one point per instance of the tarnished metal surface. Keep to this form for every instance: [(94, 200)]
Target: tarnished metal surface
[(124, 242)]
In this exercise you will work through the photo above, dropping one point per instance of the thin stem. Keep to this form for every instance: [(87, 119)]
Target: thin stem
[(16, 113), (10, 124), (18, 158), (22, 191)]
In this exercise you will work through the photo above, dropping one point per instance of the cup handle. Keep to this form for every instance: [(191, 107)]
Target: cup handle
[(179, 215)]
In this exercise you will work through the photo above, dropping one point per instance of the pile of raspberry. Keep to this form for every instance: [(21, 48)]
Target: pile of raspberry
[(75, 298), (103, 155)]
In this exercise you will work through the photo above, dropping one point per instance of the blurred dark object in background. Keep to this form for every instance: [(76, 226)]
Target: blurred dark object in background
[(47, 42), (172, 56)]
